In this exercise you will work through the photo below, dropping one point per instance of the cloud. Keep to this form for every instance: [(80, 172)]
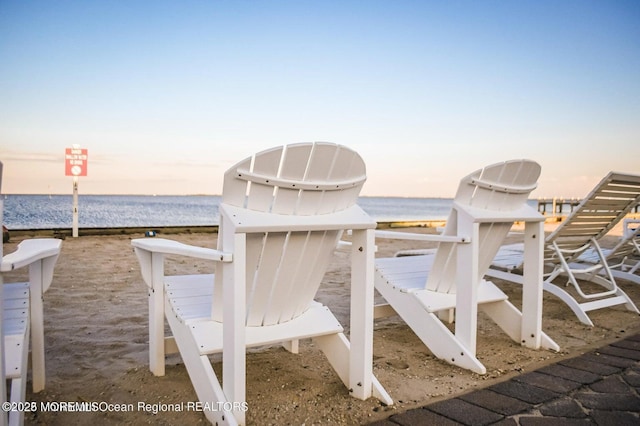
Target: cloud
[(32, 157)]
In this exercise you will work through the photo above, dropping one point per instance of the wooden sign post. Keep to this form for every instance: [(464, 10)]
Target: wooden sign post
[(76, 160)]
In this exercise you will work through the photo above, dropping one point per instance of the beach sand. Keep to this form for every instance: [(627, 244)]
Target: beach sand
[(96, 347)]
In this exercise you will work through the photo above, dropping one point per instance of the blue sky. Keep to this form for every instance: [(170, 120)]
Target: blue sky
[(166, 95)]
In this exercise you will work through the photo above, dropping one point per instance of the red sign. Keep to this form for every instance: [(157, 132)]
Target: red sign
[(75, 162)]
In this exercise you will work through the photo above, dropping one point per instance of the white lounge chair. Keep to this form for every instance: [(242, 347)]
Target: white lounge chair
[(425, 289), (281, 217), (599, 212), (623, 259), (21, 315)]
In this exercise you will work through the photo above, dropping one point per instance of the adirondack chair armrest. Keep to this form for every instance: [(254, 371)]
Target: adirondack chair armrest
[(421, 237), (30, 251), (248, 221), (151, 271), (525, 213), (170, 247)]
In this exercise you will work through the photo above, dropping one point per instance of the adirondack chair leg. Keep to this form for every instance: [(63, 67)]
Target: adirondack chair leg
[(336, 348), (445, 345), (156, 334), (433, 333), (509, 319), (203, 377), (37, 325), (448, 315), (40, 277), (362, 289), (292, 346), (19, 387), (19, 384), (466, 324), (383, 310), (152, 270), (156, 316), (379, 392), (234, 351), (531, 334)]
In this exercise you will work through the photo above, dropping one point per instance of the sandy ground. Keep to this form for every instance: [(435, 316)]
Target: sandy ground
[(96, 348)]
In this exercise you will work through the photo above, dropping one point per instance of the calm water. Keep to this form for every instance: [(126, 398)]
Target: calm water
[(115, 211)]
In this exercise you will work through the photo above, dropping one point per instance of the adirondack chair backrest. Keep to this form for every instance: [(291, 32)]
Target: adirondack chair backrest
[(599, 212), (284, 269), (502, 187)]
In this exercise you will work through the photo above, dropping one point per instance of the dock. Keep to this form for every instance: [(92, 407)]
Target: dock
[(557, 206), (560, 207)]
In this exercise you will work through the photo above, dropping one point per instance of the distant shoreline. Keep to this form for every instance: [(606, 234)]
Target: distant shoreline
[(66, 232), (63, 232), (87, 231)]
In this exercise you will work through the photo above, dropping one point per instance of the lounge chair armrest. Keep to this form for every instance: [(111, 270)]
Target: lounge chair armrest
[(629, 230), (164, 246), (422, 237), (573, 251), (29, 251)]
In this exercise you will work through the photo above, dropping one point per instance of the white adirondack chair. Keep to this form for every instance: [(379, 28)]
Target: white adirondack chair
[(282, 215), (21, 314), (578, 235), (426, 289)]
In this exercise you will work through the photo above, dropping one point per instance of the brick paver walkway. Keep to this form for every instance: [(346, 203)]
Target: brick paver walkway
[(601, 387)]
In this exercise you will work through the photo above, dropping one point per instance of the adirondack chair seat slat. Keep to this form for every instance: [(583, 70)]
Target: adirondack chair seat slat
[(16, 307), (15, 325), (188, 285), (316, 321), (190, 297), (434, 302), (15, 346)]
